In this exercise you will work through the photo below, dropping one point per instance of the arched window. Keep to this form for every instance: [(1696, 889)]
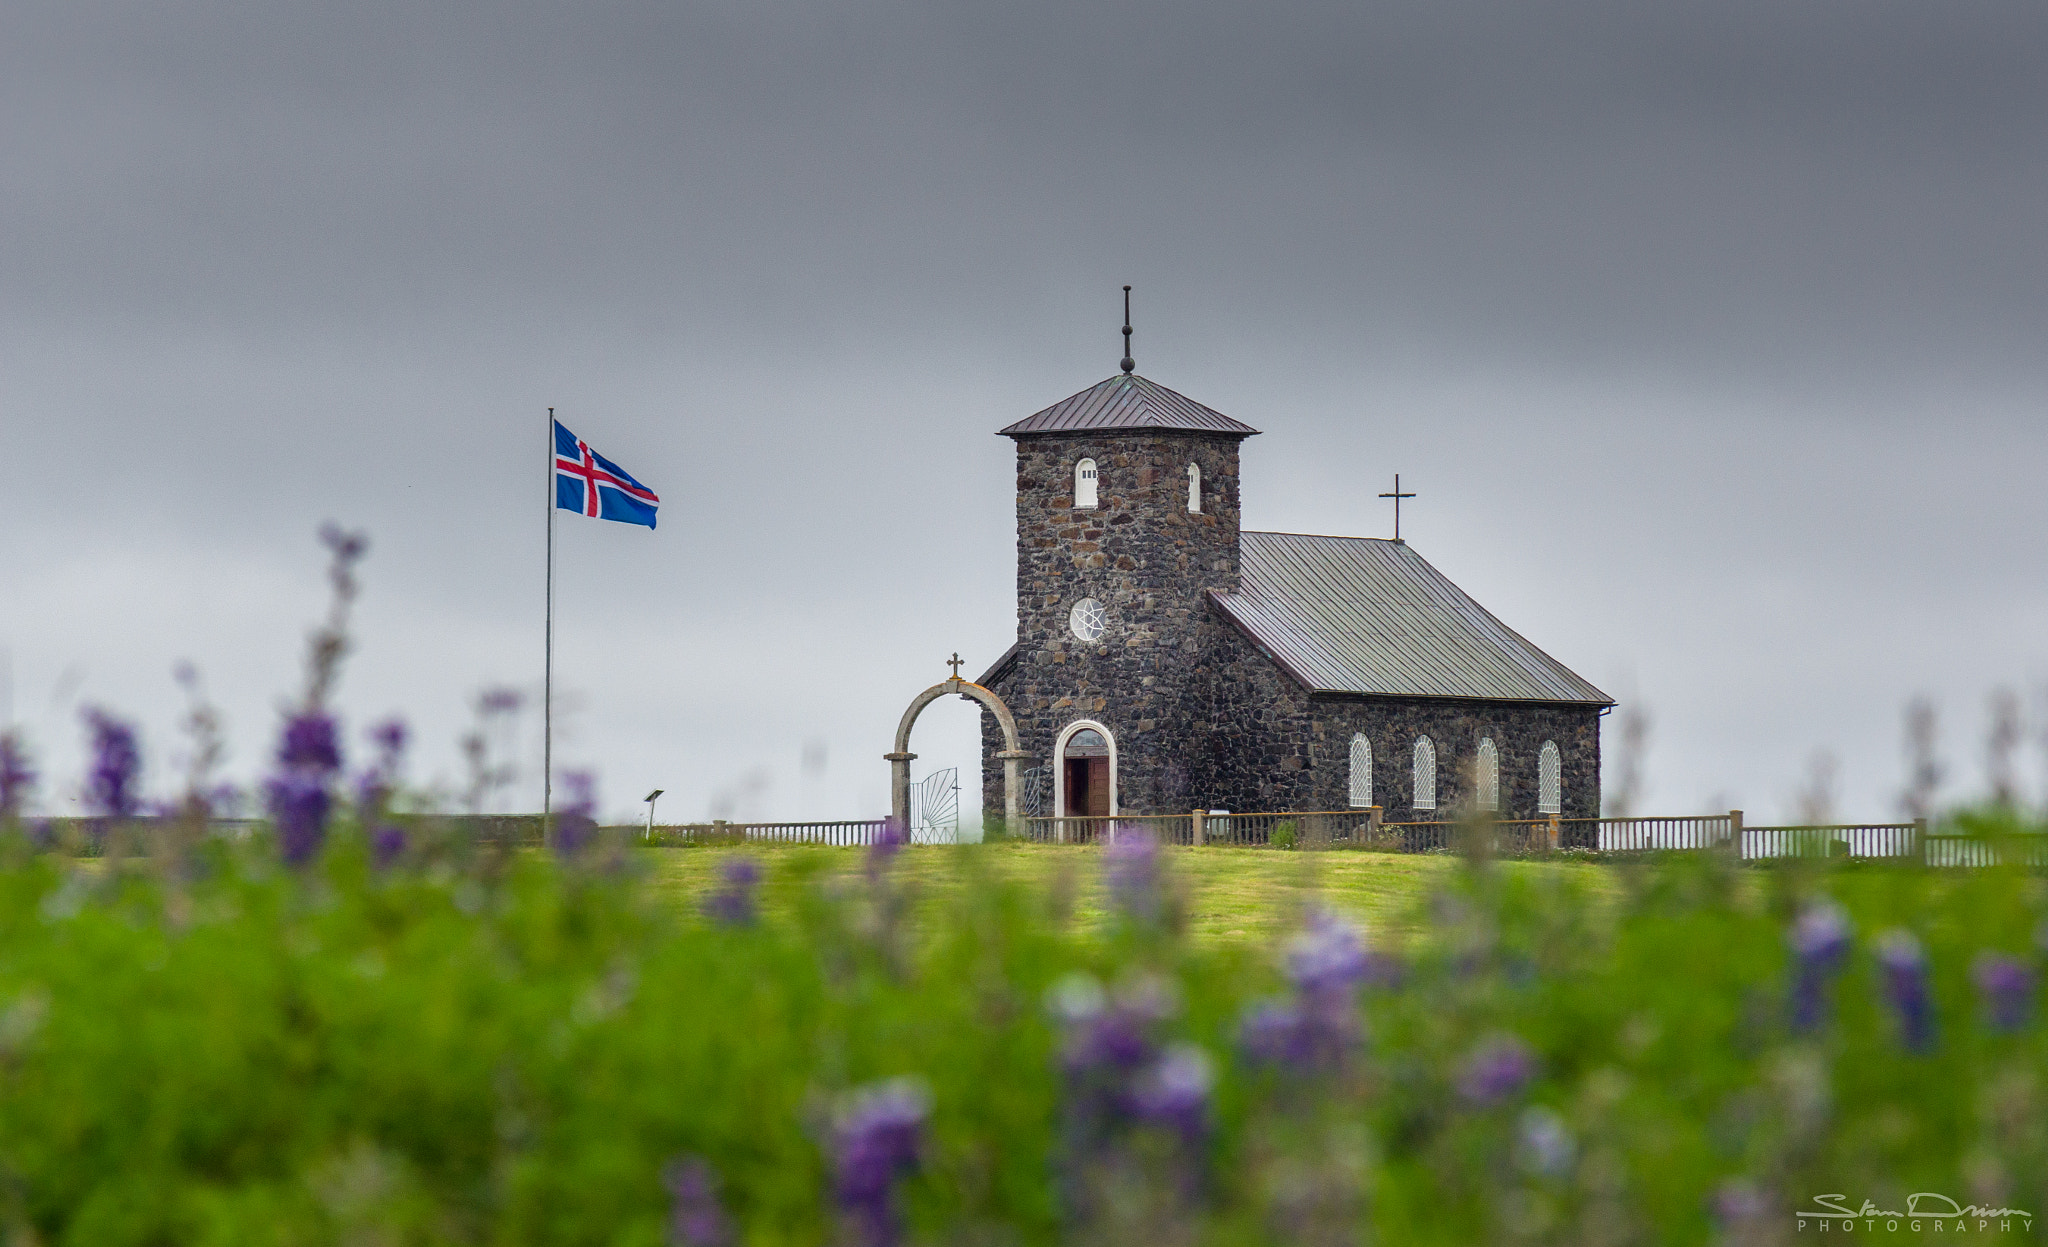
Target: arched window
[(1084, 484), (1486, 779), (1549, 780), (1425, 773), (1361, 772), (1194, 489)]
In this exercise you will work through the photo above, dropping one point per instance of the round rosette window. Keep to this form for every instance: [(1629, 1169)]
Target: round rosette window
[(1087, 620)]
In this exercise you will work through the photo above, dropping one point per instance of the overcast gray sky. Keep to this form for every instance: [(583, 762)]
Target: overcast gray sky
[(1710, 333)]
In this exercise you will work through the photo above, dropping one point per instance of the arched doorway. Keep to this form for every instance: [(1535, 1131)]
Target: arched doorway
[(1012, 757), (1084, 771)]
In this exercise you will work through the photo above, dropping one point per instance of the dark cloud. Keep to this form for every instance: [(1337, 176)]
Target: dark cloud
[(1741, 303)]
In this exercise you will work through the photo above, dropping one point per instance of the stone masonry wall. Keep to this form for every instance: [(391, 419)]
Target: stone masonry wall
[(1150, 563), (1246, 736), (1199, 716)]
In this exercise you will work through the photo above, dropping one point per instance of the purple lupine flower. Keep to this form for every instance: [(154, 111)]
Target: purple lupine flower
[(1819, 941), (877, 1136), (373, 787), (500, 700), (310, 742), (1174, 1092), (1906, 986), (887, 843), (1317, 1030), (300, 796), (1328, 957), (2007, 985), (576, 825), (1132, 867), (1271, 1034), (696, 1218), (1544, 1143), (17, 777), (732, 905), (1738, 1208), (116, 764), (387, 844), (1110, 1036), (1496, 1070)]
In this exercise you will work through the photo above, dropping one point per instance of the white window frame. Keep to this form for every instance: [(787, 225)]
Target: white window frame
[(1550, 779), (1194, 489), (1422, 793), (1087, 485), (1361, 772), (1486, 776)]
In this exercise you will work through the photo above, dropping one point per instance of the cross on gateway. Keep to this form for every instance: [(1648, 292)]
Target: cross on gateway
[(954, 663), (1397, 495), (592, 476)]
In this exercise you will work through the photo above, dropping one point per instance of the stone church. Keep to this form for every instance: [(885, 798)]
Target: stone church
[(1168, 661)]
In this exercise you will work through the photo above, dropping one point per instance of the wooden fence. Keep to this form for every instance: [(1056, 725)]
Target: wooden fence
[(1365, 829), (848, 833)]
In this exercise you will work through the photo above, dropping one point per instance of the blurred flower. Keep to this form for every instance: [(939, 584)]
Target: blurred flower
[(1174, 1092), (1328, 957), (389, 737), (116, 765), (1741, 1213), (1819, 941), (1315, 1031), (1497, 1069), (576, 824), (499, 700), (732, 904), (308, 758), (876, 1138), (387, 844), (1132, 865), (885, 846), (1906, 986), (696, 1219), (1544, 1143), (374, 787), (310, 742), (17, 778), (2007, 985)]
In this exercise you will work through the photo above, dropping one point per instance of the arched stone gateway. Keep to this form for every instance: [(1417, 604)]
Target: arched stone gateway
[(1012, 756)]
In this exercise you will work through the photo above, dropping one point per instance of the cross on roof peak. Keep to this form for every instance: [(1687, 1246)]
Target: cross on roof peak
[(1397, 495), (954, 663)]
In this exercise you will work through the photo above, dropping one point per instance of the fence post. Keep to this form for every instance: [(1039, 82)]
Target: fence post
[(1375, 824), (1735, 832), (1201, 818), (1556, 833), (1920, 840)]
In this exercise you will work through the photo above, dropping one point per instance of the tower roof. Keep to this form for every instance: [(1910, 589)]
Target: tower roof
[(1128, 401)]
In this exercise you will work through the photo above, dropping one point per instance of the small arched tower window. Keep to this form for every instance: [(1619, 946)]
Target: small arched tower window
[(1084, 484), (1549, 780), (1361, 772), (1486, 780), (1425, 773), (1194, 489)]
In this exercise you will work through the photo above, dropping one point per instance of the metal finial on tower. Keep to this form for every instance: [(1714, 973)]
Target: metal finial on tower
[(1128, 362)]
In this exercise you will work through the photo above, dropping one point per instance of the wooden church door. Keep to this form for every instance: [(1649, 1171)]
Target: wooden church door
[(1086, 764)]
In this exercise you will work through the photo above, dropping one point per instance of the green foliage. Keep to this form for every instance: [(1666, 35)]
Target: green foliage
[(485, 1045), (1283, 835)]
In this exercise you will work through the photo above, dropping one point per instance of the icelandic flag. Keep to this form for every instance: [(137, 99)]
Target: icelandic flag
[(590, 484)]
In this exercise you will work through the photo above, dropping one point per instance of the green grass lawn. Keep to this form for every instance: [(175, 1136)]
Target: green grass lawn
[(1228, 894)]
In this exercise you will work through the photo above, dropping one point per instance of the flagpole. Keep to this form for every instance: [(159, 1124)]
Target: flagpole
[(547, 696)]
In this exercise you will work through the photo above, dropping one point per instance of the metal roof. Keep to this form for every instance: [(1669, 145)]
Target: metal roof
[(1367, 615), (1128, 401)]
